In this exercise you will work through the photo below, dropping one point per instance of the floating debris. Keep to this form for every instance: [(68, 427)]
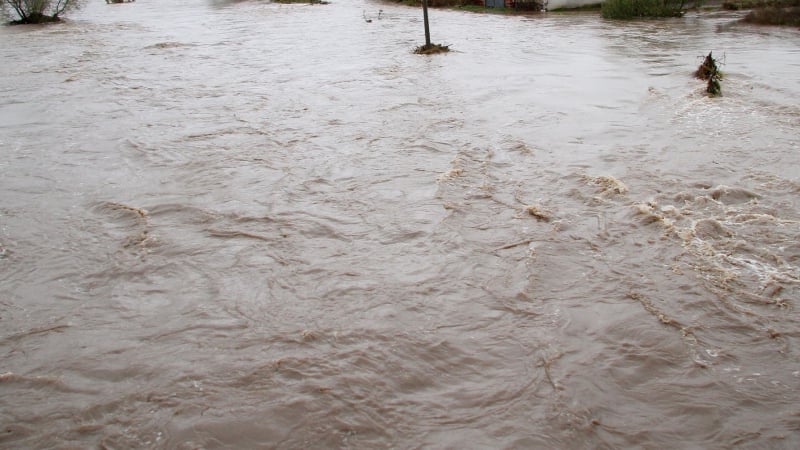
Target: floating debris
[(608, 184), (539, 213), (450, 174), (309, 335), (431, 49)]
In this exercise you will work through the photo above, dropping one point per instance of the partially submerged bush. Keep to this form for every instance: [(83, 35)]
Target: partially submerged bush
[(36, 11), (635, 9), (431, 49), (708, 70)]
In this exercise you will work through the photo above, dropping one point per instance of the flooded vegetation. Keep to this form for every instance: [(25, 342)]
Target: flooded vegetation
[(431, 49), (34, 12), (246, 224), (639, 9), (709, 71)]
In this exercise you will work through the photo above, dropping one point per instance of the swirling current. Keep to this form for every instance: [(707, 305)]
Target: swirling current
[(244, 224)]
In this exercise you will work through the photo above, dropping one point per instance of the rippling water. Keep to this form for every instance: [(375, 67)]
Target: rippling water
[(251, 225)]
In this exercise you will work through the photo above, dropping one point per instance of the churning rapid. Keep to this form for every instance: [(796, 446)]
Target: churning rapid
[(251, 225)]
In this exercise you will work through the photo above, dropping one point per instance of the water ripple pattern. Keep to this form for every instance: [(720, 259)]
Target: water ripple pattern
[(245, 224)]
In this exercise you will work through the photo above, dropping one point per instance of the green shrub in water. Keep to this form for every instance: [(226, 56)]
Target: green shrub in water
[(35, 11)]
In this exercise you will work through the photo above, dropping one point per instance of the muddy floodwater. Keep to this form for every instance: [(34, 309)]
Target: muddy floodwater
[(231, 225)]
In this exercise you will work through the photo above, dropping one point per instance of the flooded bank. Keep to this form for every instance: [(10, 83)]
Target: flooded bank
[(254, 225)]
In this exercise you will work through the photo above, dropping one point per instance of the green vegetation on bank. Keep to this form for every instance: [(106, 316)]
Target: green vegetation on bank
[(758, 4), (768, 12), (484, 9), (765, 12), (635, 9), (589, 7), (440, 3), (478, 6), (310, 2), (774, 16)]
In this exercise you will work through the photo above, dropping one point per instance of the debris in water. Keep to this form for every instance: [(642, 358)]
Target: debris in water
[(119, 206), (90, 428), (513, 244), (546, 363), (450, 174), (163, 45), (537, 211), (662, 317), (608, 184), (649, 213), (7, 376), (652, 213), (308, 335), (771, 290), (522, 148), (708, 71), (431, 49), (141, 215), (652, 309)]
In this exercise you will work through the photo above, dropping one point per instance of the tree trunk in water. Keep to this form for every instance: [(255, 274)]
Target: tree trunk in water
[(425, 19)]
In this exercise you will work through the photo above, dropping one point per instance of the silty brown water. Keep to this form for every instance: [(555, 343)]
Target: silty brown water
[(253, 225)]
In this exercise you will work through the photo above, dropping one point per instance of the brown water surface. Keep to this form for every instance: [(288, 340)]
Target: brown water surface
[(253, 225)]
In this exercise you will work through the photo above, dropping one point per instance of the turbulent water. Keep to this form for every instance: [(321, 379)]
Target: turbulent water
[(252, 225)]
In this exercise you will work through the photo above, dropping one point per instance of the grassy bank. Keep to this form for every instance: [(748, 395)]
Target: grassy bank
[(439, 3), (310, 2), (758, 4), (774, 16), (635, 9), (767, 12)]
